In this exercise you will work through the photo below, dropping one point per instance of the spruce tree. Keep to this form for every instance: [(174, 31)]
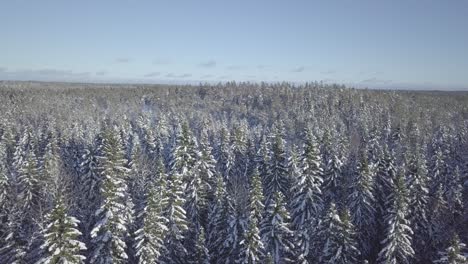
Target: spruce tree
[(216, 228), (418, 197), (276, 179), (275, 230), (361, 204), (149, 239), (177, 222), (111, 229), (306, 202), (251, 246), (61, 237), (454, 253), (397, 247), (337, 238)]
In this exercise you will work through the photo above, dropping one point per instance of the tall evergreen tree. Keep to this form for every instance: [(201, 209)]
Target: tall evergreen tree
[(61, 237), (418, 195), (110, 231), (177, 222), (454, 253), (361, 203), (337, 238), (397, 247), (275, 230), (149, 239), (306, 202), (277, 176), (216, 228)]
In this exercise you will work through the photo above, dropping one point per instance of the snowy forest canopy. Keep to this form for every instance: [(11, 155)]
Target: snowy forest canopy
[(231, 173)]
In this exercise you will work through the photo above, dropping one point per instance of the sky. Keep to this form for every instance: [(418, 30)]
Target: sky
[(364, 43)]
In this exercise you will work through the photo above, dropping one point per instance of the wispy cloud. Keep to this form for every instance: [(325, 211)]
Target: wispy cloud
[(261, 67), (298, 69), (101, 73), (207, 76), (162, 61), (328, 72), (208, 64), (45, 74), (375, 80), (224, 77), (235, 67), (152, 74), (123, 60), (172, 75)]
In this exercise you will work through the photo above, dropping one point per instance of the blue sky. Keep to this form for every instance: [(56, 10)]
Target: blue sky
[(395, 44)]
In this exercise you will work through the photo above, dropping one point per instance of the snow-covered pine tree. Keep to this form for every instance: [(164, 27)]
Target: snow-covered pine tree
[(306, 202), (29, 185), (176, 215), (262, 158), (332, 177), (256, 197), (454, 192), (5, 191), (15, 241), (276, 179), (238, 145), (223, 154), (184, 155), (251, 246), (111, 228), (61, 237), (332, 172), (202, 255), (336, 237), (454, 253), (89, 186), (149, 239), (276, 234), (235, 224), (439, 223), (50, 164), (216, 229), (361, 204), (418, 197), (383, 184), (439, 171), (206, 169), (397, 247)]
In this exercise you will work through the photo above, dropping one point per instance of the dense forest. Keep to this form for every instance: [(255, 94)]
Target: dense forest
[(231, 173)]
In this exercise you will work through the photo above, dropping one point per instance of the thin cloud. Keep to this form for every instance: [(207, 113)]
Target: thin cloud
[(224, 77), (101, 73), (3, 69), (235, 67), (123, 60), (50, 72), (328, 72), (298, 69), (261, 67), (161, 61), (207, 76), (152, 74), (46, 74), (208, 64), (375, 80), (172, 75)]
